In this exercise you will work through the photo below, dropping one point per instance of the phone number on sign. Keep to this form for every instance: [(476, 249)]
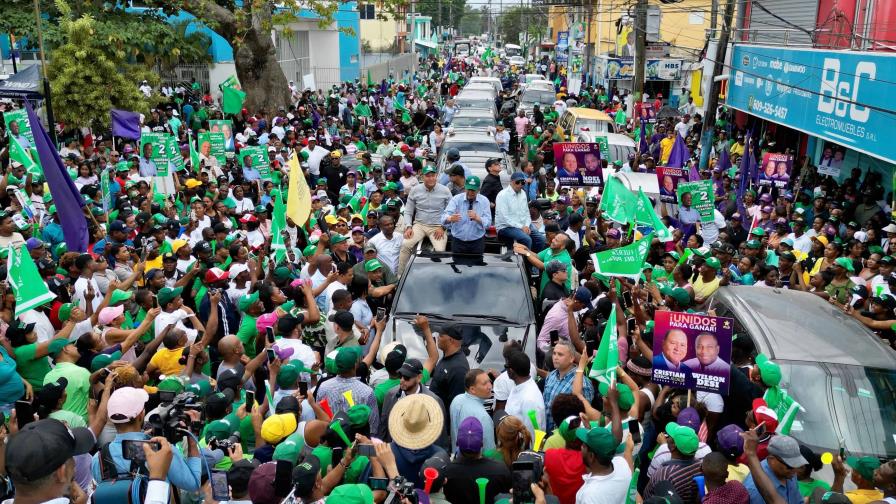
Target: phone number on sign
[(769, 109)]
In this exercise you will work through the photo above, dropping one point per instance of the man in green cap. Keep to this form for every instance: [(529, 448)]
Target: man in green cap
[(424, 208), (863, 469), (708, 282), (683, 466), (468, 215), (607, 476)]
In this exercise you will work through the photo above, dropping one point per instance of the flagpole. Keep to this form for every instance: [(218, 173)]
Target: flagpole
[(51, 126)]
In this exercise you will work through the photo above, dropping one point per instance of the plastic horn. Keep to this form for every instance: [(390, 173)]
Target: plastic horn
[(337, 428), (348, 398), (539, 437), (482, 482), (533, 419), (325, 405), (430, 473)]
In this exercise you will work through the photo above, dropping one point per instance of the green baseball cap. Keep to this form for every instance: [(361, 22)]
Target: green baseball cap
[(171, 384), (753, 244), (219, 429), (565, 431), (392, 186), (201, 388), (685, 438), (358, 415), (845, 263), (290, 448), (309, 250), (167, 295), (713, 263), (52, 209), (429, 169), (119, 295), (768, 370), (678, 294), (599, 440), (247, 301), (473, 183), (372, 265), (346, 359), (65, 312), (352, 494), (626, 397), (103, 360), (758, 231), (337, 238), (864, 466), (288, 375)]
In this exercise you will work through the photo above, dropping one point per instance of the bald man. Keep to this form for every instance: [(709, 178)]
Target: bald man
[(675, 348)]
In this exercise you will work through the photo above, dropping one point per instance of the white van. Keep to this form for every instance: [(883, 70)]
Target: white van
[(494, 81), (619, 146)]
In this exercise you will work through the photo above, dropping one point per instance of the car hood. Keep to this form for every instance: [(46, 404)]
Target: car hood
[(483, 342)]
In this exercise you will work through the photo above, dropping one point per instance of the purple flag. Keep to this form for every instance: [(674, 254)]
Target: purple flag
[(693, 174), (69, 202), (746, 169), (724, 161), (126, 124), (679, 155), (643, 147)]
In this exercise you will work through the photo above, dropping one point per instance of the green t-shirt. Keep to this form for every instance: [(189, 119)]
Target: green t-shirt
[(247, 334), (531, 146), (555, 440), (546, 256), (31, 368), (69, 418), (807, 487), (78, 389)]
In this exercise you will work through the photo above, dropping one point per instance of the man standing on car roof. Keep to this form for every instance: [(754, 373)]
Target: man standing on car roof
[(467, 216)]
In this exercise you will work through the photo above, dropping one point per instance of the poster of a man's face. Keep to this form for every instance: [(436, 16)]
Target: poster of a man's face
[(694, 353), (675, 346)]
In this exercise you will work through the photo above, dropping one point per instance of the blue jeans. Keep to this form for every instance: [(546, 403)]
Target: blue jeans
[(533, 242)]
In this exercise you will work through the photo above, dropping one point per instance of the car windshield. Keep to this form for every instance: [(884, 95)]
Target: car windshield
[(451, 288), (480, 103), (590, 125), (472, 122), (538, 96), (473, 146), (860, 401)]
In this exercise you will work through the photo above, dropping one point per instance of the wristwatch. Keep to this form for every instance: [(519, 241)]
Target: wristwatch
[(528, 254)]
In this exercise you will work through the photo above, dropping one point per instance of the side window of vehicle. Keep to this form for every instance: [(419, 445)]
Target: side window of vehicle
[(564, 121), (723, 310)]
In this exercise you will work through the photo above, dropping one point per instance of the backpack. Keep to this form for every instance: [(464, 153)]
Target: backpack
[(117, 488)]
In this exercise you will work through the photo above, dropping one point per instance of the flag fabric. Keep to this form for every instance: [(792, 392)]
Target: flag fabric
[(405, 113), (679, 155), (746, 169), (68, 200), (693, 174), (631, 495), (20, 155), (125, 124), (358, 200), (30, 289), (195, 161), (298, 203), (618, 201), (370, 82), (626, 262), (724, 161), (645, 215), (232, 101), (278, 225), (363, 110), (603, 369), (643, 146), (784, 406)]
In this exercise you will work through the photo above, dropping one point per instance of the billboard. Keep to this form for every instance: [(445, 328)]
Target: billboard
[(841, 96)]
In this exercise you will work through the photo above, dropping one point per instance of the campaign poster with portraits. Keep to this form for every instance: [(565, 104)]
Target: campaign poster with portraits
[(692, 351), (212, 145), (702, 198), (668, 179), (260, 159), (776, 170), (225, 127), (831, 161), (578, 164)]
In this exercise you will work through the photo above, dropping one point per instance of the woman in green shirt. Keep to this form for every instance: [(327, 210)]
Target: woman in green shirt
[(31, 356)]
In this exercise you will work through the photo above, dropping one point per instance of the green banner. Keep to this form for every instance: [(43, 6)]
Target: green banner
[(177, 159), (224, 127), (106, 189), (626, 261), (20, 117), (618, 201), (703, 198), (260, 161), (213, 145), (163, 150), (604, 146)]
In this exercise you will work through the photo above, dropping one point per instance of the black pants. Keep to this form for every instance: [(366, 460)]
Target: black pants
[(468, 247)]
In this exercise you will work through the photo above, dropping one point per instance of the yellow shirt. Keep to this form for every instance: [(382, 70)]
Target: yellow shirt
[(864, 496), (666, 149), (168, 361), (736, 148), (703, 290), (738, 472)]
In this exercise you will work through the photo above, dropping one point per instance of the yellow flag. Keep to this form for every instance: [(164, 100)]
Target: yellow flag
[(298, 203)]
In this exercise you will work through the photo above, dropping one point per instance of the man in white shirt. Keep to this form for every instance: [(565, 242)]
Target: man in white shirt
[(174, 312), (86, 288), (608, 476), (801, 240), (387, 243), (316, 154), (682, 127), (525, 396)]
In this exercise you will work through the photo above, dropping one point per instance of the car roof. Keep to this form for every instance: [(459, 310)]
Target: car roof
[(476, 93), (480, 86), (588, 113), (612, 138), (501, 260), (470, 135), (474, 112), (799, 326)]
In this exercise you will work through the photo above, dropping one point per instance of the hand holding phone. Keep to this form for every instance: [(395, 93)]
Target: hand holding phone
[(269, 334), (250, 399), (24, 413), (220, 487), (380, 314)]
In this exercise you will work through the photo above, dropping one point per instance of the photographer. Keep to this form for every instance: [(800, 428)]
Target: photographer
[(127, 412)]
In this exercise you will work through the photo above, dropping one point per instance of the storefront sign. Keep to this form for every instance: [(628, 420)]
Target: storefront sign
[(842, 96), (657, 69)]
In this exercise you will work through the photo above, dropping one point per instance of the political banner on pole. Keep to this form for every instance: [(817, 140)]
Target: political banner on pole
[(224, 127), (604, 145), (212, 144), (176, 158), (578, 164), (700, 196), (627, 261), (668, 179), (161, 154), (260, 161), (17, 124), (776, 170), (692, 351)]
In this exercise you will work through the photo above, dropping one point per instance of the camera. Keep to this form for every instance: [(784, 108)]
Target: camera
[(402, 489), (224, 444), (170, 419)]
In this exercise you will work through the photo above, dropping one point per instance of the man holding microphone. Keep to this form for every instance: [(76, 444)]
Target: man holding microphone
[(467, 216)]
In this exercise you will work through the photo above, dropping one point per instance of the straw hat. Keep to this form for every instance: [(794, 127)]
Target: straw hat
[(416, 421)]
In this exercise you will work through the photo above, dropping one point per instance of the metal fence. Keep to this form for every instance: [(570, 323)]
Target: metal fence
[(185, 74), (396, 68)]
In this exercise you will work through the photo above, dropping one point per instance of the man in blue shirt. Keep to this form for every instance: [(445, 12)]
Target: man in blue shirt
[(249, 173), (467, 216), (512, 218), (126, 412), (781, 464), (147, 165)]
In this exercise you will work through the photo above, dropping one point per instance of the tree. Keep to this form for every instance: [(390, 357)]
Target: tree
[(443, 12), (470, 22), (520, 19), (87, 80)]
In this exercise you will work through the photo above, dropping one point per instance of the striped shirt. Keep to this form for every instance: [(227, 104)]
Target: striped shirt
[(681, 474), (333, 389)]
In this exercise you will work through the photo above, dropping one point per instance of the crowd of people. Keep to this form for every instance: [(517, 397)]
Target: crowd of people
[(200, 351)]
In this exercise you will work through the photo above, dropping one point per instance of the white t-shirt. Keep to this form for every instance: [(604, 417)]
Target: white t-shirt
[(42, 326), (609, 489), (81, 293), (503, 384), (388, 250), (714, 402), (524, 398)]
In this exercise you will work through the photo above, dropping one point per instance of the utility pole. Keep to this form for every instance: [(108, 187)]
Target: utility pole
[(713, 19), (713, 99), (640, 48), (413, 31), (586, 68)]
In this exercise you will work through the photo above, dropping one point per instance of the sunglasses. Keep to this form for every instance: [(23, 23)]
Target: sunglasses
[(518, 182)]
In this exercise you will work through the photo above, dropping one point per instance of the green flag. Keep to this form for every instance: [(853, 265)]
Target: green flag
[(785, 407), (194, 157), (645, 215), (370, 82), (358, 200), (232, 102), (618, 201), (277, 227), (19, 154), (405, 113), (631, 495), (363, 110), (26, 283), (627, 261), (603, 369)]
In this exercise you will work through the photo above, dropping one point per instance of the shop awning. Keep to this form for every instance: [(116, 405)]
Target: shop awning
[(24, 84), (426, 43)]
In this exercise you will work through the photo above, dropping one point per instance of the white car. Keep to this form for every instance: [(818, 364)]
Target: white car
[(517, 61)]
